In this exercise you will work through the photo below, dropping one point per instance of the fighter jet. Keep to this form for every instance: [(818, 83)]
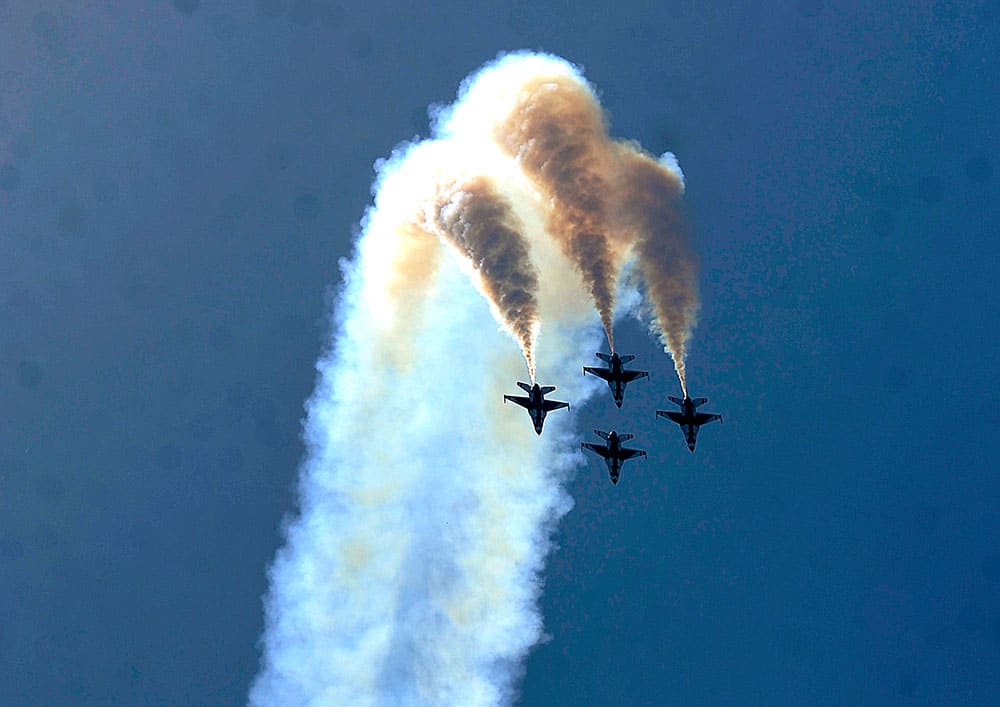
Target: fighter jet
[(688, 419), (613, 452), (616, 376), (535, 403)]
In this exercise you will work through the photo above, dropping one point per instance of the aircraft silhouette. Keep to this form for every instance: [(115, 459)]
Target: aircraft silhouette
[(535, 403), (613, 452), (688, 418), (616, 376)]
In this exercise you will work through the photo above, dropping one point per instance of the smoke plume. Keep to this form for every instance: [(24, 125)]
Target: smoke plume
[(482, 225), (557, 134), (650, 209), (411, 573)]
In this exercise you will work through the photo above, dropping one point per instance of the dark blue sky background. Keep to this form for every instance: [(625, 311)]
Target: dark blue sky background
[(178, 180)]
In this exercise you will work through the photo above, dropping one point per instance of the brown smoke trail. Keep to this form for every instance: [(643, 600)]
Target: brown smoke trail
[(650, 209), (481, 224), (558, 135)]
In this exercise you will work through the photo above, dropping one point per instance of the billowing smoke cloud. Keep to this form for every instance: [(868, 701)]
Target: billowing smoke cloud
[(412, 572), (604, 200)]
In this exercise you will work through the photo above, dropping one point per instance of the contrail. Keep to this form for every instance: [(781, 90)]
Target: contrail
[(411, 574)]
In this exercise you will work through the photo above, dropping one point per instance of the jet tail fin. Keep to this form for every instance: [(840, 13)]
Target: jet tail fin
[(699, 401), (524, 386), (626, 359), (672, 399), (625, 437), (604, 357), (602, 435), (546, 389)]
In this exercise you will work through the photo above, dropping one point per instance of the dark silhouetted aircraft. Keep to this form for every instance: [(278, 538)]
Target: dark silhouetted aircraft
[(688, 418), (613, 452), (535, 403), (616, 376)]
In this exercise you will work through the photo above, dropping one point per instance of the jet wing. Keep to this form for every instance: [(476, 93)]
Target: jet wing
[(519, 399), (673, 415), (701, 418), (624, 453), (599, 448), (629, 376), (550, 405), (599, 372)]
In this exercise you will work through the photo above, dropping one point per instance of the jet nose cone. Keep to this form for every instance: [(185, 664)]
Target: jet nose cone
[(618, 402), (538, 430), (691, 447), (614, 480)]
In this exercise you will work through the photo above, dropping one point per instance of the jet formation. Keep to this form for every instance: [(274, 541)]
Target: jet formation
[(613, 452), (617, 377)]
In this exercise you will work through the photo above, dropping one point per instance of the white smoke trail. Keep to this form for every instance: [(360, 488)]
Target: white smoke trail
[(411, 575)]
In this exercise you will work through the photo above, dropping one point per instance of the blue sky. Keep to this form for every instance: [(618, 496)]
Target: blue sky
[(179, 179)]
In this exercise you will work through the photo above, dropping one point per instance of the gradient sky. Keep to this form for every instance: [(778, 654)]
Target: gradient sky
[(178, 180)]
